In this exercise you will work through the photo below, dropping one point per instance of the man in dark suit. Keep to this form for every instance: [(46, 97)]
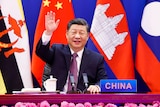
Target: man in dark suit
[(59, 56)]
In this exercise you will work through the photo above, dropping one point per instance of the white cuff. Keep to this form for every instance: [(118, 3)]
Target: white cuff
[(45, 38)]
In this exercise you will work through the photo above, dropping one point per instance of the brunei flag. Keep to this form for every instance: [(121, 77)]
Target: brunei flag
[(148, 46), (14, 48), (111, 36), (64, 12)]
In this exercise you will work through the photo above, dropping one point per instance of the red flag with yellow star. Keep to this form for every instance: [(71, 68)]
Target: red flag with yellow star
[(64, 12)]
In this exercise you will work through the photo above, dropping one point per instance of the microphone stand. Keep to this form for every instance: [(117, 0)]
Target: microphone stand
[(73, 84), (85, 79)]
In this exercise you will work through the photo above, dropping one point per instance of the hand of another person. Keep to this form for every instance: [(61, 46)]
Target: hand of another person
[(50, 23), (93, 89)]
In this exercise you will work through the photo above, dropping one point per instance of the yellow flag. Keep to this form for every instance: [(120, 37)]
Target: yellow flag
[(2, 85)]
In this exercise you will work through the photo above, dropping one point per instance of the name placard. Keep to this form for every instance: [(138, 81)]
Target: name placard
[(115, 85)]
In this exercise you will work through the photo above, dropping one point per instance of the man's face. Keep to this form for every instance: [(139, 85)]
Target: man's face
[(77, 37)]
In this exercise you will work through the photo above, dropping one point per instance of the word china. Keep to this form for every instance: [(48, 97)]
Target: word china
[(115, 85), (118, 85)]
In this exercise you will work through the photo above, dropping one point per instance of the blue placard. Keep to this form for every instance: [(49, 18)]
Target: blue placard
[(115, 85)]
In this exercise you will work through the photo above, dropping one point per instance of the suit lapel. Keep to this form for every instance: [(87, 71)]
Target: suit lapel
[(84, 61), (67, 54)]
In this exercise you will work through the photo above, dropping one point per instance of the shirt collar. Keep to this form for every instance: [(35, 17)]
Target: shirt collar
[(79, 53)]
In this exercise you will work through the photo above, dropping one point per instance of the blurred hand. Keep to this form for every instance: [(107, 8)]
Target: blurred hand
[(93, 89), (50, 23)]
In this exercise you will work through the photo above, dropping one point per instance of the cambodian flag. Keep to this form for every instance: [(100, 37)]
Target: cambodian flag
[(111, 36)]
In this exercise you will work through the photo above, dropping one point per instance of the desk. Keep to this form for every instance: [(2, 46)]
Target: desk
[(11, 99)]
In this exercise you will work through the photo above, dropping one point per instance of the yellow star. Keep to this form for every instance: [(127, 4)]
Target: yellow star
[(58, 5), (46, 3)]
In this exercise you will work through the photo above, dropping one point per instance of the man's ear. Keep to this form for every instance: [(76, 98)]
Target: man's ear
[(66, 34), (88, 36)]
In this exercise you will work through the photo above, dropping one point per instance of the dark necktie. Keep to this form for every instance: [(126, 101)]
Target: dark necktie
[(73, 70)]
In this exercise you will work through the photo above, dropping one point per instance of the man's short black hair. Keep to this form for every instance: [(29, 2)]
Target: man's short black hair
[(78, 21)]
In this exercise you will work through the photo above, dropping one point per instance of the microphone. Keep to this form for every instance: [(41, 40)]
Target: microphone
[(85, 79), (73, 84)]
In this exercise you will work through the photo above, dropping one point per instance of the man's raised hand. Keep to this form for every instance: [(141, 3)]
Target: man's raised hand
[(51, 23)]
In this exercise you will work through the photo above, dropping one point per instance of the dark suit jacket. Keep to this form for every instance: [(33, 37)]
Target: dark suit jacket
[(59, 56)]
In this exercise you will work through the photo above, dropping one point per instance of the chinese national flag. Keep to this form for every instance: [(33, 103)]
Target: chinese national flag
[(64, 12)]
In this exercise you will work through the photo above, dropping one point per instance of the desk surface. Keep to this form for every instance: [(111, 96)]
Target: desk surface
[(79, 98)]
